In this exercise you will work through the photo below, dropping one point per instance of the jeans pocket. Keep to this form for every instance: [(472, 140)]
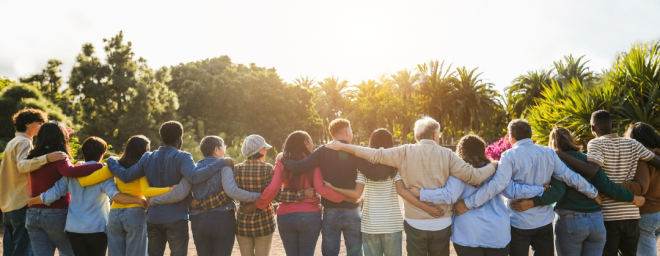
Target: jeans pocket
[(32, 219), (134, 219), (572, 224)]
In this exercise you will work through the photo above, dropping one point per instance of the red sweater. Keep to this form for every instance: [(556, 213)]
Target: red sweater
[(45, 177), (307, 204)]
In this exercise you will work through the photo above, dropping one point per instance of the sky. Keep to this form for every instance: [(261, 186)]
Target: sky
[(352, 40)]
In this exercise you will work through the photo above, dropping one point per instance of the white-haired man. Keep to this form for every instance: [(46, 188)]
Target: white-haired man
[(424, 165)]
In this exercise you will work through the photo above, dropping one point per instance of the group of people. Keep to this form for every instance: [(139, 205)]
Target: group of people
[(603, 202)]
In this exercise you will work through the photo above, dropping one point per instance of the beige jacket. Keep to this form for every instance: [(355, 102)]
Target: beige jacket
[(14, 171), (426, 165)]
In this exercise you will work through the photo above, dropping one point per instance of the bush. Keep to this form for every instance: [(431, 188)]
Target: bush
[(18, 96), (494, 151)]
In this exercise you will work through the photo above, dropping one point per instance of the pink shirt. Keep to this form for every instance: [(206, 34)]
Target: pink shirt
[(307, 204)]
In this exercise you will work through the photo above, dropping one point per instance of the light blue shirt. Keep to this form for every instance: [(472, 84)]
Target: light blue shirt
[(486, 226), (89, 206), (530, 164)]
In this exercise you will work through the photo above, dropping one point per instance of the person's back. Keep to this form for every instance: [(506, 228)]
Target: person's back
[(340, 169), (162, 170)]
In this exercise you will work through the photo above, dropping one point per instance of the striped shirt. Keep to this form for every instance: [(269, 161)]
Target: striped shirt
[(381, 213), (618, 157)]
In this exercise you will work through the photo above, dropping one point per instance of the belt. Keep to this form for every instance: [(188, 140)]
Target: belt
[(340, 209)]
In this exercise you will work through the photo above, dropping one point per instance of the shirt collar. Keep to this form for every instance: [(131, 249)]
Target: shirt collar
[(90, 162), (24, 135), (610, 136), (210, 158), (427, 141), (523, 142), (166, 148)]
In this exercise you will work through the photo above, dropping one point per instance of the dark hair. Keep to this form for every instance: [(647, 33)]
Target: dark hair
[(338, 125), (380, 138), (561, 139), (602, 120), (171, 132), (93, 148), (294, 148), (255, 156), (645, 134), (27, 116), (209, 143), (472, 149), (520, 129), (135, 147), (52, 137)]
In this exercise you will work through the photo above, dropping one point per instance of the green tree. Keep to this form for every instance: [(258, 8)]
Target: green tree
[(524, 91), (48, 81), (475, 102), (435, 88), (18, 96), (574, 68), (331, 100), (406, 83), (122, 97)]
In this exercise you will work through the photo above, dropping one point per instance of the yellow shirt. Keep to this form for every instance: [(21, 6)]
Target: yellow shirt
[(138, 188)]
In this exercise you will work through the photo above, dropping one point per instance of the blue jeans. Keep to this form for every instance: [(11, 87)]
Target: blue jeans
[(382, 244), (299, 232), (579, 233), (16, 240), (175, 233), (334, 223), (127, 232), (649, 231), (214, 232), (46, 229)]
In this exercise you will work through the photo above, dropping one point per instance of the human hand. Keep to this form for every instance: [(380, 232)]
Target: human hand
[(434, 211), (193, 204), (279, 157), (35, 200), (328, 185), (639, 201), (69, 130), (598, 199), (174, 187), (335, 145), (546, 187), (229, 162), (415, 191), (56, 156), (522, 205), (351, 200), (247, 208), (310, 193), (495, 163), (656, 151), (144, 203), (460, 208)]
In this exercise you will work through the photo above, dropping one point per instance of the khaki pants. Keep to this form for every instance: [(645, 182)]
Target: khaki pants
[(255, 246)]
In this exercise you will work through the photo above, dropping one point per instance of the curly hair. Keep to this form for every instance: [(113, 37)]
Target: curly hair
[(27, 116), (472, 149), (561, 139)]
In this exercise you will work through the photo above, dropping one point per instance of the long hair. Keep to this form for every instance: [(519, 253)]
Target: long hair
[(645, 134), (294, 148), (52, 137), (135, 147), (472, 149), (380, 138), (561, 139)]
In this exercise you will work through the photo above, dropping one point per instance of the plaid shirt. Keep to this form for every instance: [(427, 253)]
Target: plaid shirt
[(222, 199)]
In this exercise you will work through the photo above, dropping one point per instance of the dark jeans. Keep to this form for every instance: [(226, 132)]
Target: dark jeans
[(422, 242), (299, 232), (622, 237), (336, 222), (214, 232), (91, 244), (480, 251), (16, 241), (541, 239), (175, 233)]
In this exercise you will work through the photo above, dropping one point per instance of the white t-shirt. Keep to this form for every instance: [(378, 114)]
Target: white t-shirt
[(381, 212)]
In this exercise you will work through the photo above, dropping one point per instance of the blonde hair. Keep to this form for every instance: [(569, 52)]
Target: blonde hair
[(561, 139)]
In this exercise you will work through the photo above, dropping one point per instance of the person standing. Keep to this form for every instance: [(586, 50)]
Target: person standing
[(14, 177)]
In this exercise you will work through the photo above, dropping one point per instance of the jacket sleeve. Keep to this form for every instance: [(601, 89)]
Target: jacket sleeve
[(110, 188), (96, 177), (231, 188), (552, 195), (572, 179), (174, 196), (306, 164), (27, 165), (611, 189), (272, 189), (67, 169), (324, 191), (640, 182), (148, 191), (60, 189), (446, 195), (197, 174), (521, 191), (493, 187), (467, 173), (128, 175), (387, 156), (214, 201)]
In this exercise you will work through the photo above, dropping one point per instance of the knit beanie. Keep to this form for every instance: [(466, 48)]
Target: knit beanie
[(253, 144)]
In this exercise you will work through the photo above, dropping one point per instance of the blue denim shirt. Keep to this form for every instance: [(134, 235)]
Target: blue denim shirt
[(530, 164), (223, 180), (486, 226), (89, 206), (166, 167)]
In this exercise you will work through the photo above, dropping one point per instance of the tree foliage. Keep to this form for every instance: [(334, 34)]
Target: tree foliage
[(17, 96)]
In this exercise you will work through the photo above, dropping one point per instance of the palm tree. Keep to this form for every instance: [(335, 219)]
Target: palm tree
[(332, 98), (574, 68), (435, 88), (304, 82), (406, 83), (524, 91), (475, 101)]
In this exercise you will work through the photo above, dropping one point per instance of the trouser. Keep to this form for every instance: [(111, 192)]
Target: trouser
[(336, 222), (382, 244), (299, 232), (480, 251), (255, 246), (127, 232), (622, 237), (422, 242), (649, 231), (175, 233), (91, 244), (16, 241), (46, 229), (579, 233), (541, 240), (214, 232)]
